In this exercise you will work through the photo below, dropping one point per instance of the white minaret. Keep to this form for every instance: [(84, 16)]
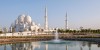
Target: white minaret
[(46, 20), (66, 22)]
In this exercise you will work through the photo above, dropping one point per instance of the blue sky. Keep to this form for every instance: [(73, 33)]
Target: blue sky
[(84, 13)]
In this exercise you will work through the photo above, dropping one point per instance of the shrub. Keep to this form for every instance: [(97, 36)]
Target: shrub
[(1, 32)]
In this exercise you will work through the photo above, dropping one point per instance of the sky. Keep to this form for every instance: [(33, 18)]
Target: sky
[(85, 13)]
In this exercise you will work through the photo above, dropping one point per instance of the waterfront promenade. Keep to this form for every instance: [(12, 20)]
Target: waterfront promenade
[(26, 37)]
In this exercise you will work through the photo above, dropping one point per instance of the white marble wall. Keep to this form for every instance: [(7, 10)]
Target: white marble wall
[(21, 34)]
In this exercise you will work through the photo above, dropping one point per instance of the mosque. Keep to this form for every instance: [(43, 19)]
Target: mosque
[(25, 23)]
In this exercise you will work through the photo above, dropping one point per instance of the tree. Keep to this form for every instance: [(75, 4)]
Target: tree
[(5, 30), (0, 30)]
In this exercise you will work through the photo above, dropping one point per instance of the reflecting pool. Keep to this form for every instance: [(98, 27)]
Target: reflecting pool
[(42, 45)]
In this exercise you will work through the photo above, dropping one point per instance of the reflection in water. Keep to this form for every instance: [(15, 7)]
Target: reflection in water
[(46, 46), (81, 48), (25, 46), (66, 47), (77, 45), (83, 43), (98, 45), (4, 47), (89, 45)]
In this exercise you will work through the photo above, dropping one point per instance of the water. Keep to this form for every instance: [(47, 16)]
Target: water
[(40, 45)]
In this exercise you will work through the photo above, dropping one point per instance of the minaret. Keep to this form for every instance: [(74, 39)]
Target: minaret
[(66, 22), (46, 20)]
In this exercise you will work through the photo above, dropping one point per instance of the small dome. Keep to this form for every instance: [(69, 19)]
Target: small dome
[(21, 18), (12, 25), (39, 24), (27, 19), (16, 21), (33, 24)]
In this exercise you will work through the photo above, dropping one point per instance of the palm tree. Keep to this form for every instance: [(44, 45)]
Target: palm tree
[(0, 30), (5, 30)]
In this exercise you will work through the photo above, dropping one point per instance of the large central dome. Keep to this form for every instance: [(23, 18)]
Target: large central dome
[(21, 18), (24, 19), (28, 19)]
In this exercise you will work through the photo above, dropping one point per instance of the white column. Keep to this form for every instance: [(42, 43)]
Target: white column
[(46, 20), (66, 22)]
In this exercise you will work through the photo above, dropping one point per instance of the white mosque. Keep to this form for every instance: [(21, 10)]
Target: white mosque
[(24, 23)]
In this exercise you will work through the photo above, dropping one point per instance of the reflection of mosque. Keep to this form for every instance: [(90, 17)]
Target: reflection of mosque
[(46, 47), (29, 46), (25, 46), (37, 46), (80, 45), (55, 47)]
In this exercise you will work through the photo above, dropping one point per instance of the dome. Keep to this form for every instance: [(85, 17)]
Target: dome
[(33, 23), (12, 25), (21, 18), (16, 21), (28, 19), (39, 24)]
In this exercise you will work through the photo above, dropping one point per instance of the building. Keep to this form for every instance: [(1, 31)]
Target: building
[(24, 23)]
